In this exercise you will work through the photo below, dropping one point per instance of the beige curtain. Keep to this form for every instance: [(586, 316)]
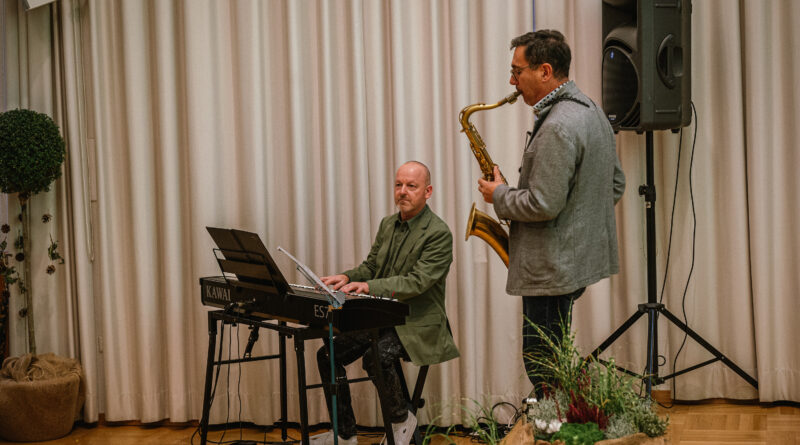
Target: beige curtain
[(770, 104), (288, 118)]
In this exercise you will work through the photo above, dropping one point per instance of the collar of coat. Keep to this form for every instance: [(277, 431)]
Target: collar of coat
[(421, 219), (545, 101)]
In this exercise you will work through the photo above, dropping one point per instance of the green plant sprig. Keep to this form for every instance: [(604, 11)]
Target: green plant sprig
[(601, 388)]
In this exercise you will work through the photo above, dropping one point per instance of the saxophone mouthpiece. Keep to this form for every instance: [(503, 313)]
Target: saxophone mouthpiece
[(511, 98)]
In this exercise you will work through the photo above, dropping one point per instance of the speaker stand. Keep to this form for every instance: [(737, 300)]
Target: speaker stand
[(653, 308)]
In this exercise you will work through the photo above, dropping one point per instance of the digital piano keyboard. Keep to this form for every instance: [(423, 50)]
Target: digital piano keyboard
[(302, 304)]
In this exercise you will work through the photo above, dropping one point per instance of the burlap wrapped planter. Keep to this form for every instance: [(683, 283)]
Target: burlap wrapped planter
[(44, 408)]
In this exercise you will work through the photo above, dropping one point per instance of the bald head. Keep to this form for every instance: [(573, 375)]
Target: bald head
[(412, 188), (422, 166)]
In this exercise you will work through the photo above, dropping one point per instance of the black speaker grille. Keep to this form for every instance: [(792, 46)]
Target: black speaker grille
[(620, 86), (631, 121)]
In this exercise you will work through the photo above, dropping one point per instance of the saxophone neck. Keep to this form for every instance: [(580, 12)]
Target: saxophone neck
[(480, 106), (475, 142)]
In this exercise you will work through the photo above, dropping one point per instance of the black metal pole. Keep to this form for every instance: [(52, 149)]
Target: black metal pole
[(652, 277), (650, 218), (283, 377), (212, 339), (299, 349)]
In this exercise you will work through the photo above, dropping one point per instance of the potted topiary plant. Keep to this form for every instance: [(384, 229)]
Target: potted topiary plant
[(40, 395), (31, 154)]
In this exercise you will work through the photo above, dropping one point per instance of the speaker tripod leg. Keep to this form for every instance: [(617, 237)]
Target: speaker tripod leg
[(621, 330), (716, 353)]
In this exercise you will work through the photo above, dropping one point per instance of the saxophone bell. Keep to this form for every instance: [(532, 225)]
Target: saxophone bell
[(488, 229)]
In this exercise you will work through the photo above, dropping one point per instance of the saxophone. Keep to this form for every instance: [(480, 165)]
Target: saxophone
[(480, 224)]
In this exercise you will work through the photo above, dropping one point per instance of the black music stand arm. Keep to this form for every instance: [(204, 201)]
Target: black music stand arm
[(334, 387), (335, 298)]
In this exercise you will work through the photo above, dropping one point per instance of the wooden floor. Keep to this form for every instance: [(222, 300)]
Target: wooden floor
[(697, 424)]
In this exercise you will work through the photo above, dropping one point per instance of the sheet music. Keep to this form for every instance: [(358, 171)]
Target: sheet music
[(336, 296)]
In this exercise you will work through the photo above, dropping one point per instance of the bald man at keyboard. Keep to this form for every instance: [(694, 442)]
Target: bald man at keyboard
[(409, 261)]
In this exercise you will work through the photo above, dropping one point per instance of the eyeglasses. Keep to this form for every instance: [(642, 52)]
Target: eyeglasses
[(515, 72)]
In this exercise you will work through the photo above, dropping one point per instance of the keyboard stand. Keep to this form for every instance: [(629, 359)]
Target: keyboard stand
[(300, 335)]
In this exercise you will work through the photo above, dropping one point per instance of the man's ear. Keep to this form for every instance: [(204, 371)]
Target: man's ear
[(547, 71)]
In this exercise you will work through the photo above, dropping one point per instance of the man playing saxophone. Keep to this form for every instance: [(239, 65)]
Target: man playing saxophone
[(562, 234)]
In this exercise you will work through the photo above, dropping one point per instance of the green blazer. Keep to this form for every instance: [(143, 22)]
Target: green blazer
[(416, 277)]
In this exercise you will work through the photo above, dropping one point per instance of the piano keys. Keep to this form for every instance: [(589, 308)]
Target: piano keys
[(302, 305)]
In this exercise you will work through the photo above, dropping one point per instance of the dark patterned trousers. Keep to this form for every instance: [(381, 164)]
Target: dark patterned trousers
[(547, 312), (349, 347)]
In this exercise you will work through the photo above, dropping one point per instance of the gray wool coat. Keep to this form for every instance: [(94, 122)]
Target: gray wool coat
[(563, 229)]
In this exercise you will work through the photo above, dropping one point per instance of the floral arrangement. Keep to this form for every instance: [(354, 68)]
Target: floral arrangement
[(586, 400)]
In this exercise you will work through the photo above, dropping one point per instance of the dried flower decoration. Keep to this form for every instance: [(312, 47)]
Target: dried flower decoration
[(46, 218), (5, 228), (51, 269), (20, 257), (7, 271), (52, 251)]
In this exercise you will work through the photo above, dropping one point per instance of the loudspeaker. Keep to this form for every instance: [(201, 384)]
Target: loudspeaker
[(647, 64)]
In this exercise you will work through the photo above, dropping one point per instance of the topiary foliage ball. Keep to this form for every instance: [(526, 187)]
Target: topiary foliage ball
[(31, 152)]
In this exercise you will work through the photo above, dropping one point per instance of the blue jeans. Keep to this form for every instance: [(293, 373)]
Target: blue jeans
[(547, 312)]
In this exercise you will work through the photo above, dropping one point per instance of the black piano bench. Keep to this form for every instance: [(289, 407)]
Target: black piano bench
[(415, 401)]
